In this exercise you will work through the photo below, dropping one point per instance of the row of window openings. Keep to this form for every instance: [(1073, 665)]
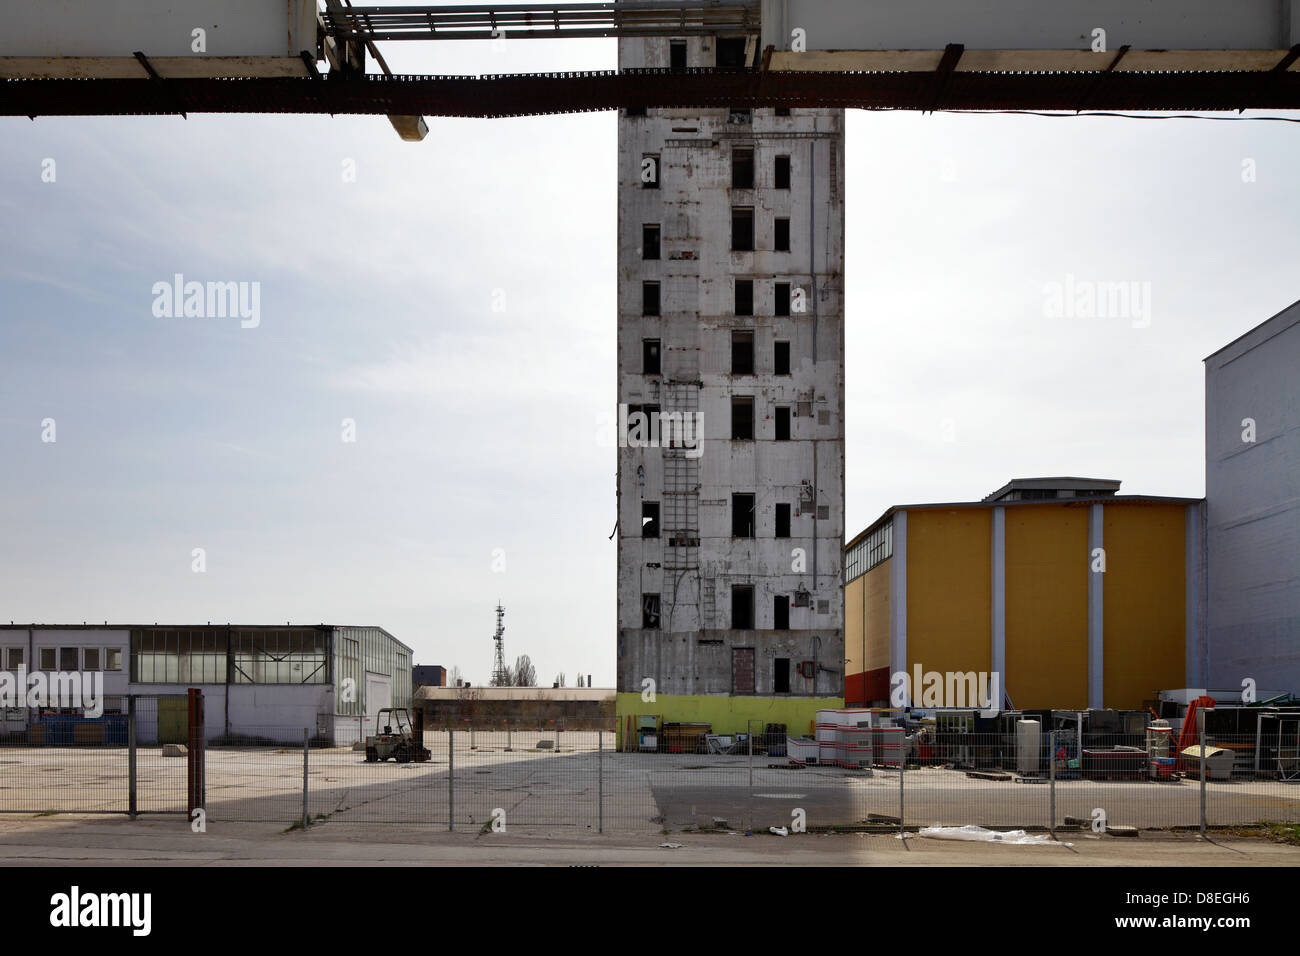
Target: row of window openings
[(742, 234), (742, 170), (68, 659), (743, 302), (742, 355), (742, 418), (742, 609), (742, 517)]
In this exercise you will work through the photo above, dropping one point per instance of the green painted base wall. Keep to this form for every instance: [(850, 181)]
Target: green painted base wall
[(728, 715)]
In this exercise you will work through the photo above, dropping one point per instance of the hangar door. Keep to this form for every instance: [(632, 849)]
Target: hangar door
[(379, 693)]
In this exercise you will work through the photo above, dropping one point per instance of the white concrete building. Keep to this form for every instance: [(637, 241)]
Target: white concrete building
[(263, 682), (730, 298)]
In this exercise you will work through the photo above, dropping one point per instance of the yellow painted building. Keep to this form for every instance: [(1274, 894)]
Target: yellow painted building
[(1073, 595)]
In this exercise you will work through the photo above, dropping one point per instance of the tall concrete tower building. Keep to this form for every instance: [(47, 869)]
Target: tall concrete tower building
[(731, 395)]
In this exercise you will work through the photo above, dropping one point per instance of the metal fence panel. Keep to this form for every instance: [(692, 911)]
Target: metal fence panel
[(542, 775)]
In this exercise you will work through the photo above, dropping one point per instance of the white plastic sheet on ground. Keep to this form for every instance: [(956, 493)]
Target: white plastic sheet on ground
[(980, 835)]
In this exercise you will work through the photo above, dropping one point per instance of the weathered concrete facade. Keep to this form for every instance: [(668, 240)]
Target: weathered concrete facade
[(1252, 490), (692, 182)]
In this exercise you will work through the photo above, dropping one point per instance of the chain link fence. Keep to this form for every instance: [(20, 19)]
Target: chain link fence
[(499, 775), (117, 763)]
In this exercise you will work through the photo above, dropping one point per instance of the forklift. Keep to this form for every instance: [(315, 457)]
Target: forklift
[(397, 740)]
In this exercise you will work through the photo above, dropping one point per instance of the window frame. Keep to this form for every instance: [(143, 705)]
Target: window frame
[(737, 510), (776, 422), (782, 170), (742, 401), (776, 357), (658, 171), (739, 241), (649, 346), (649, 229), (651, 530), (742, 352), (780, 223), (648, 301), (742, 167)]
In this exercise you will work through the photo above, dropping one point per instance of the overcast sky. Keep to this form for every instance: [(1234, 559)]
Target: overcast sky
[(456, 301)]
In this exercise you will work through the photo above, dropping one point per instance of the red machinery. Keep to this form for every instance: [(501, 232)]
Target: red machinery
[(1187, 737)]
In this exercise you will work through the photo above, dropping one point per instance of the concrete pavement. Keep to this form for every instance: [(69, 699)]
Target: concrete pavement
[(112, 841)]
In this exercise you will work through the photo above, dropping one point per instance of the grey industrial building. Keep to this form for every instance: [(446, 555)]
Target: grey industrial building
[(1252, 489), (263, 682), (730, 329)]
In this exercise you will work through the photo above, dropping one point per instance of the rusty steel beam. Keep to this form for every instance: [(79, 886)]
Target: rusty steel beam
[(538, 94)]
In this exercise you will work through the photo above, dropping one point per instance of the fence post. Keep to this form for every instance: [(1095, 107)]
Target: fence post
[(509, 747), (600, 763), (305, 739), (1051, 783), (901, 761), (451, 780), (131, 757), (1204, 769), (749, 738), (195, 758)]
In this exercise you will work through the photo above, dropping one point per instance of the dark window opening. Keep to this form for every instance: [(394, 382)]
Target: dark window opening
[(650, 611), (742, 228), (731, 52), (781, 671), (650, 356), (781, 358), (742, 167), (641, 420), (649, 298), (783, 520), (782, 111), (782, 239), (742, 418), (650, 241), (68, 659), (742, 516), (649, 170), (782, 303), (677, 56), (782, 178), (742, 353), (649, 519), (783, 424), (742, 607), (744, 297)]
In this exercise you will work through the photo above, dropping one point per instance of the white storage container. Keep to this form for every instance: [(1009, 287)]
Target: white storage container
[(1029, 742)]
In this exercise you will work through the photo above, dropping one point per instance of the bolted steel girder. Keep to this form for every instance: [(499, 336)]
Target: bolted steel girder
[(544, 93)]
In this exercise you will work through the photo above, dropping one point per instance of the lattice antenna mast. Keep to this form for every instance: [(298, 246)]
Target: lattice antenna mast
[(500, 677)]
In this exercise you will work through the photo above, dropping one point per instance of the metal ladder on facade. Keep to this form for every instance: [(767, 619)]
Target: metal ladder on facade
[(708, 602), (681, 494)]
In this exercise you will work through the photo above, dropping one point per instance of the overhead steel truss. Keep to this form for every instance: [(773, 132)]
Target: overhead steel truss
[(546, 20), (536, 94), (1204, 55)]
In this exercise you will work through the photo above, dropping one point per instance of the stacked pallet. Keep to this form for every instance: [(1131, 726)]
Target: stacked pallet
[(841, 738)]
